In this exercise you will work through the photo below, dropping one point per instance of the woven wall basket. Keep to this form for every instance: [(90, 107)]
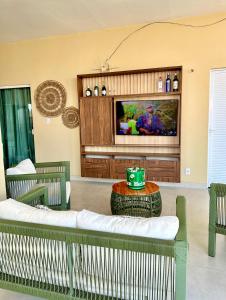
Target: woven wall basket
[(70, 117), (50, 98)]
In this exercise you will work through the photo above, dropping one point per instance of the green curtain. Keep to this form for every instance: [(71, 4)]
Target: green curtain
[(16, 125)]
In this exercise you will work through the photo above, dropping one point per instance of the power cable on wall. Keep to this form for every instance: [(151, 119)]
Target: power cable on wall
[(106, 63)]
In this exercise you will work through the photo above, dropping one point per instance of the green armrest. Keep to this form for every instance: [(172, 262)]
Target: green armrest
[(17, 185), (38, 195), (181, 214), (181, 249)]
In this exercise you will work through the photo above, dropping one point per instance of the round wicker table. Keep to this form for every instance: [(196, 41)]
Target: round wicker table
[(141, 203)]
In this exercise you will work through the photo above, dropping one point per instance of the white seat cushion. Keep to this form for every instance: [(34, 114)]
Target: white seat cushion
[(68, 190), (13, 210), (54, 194), (165, 227), (24, 167)]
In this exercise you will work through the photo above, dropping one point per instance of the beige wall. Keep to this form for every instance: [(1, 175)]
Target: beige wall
[(62, 58)]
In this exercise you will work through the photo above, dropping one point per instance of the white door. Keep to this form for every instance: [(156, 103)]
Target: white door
[(217, 127)]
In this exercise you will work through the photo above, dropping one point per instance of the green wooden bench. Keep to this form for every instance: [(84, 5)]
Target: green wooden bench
[(66, 263)]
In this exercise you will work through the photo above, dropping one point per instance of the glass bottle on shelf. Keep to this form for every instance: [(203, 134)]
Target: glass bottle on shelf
[(88, 92), (175, 83), (96, 90), (168, 83), (103, 90), (160, 84)]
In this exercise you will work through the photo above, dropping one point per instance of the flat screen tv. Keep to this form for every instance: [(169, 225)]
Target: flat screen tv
[(156, 117)]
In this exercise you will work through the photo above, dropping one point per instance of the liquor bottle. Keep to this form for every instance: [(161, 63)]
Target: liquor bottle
[(88, 92), (103, 91), (168, 83), (160, 84), (96, 90), (175, 83)]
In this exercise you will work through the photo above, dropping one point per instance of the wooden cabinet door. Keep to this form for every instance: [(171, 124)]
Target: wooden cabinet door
[(118, 167), (96, 120), (162, 170), (97, 168)]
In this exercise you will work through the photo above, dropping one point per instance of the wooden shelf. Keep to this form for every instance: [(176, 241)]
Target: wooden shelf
[(168, 155), (137, 145), (135, 95), (150, 145), (118, 73)]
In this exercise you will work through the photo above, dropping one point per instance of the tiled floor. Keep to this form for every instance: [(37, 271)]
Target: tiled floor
[(206, 275)]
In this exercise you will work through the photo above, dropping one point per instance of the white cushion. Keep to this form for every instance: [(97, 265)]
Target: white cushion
[(13, 210), (68, 190), (165, 227), (24, 167), (40, 206), (54, 194)]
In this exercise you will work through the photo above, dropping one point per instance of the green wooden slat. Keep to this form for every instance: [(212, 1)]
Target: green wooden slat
[(181, 247), (217, 214), (62, 166)]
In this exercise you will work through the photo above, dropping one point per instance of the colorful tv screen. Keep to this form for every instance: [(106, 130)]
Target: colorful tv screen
[(147, 117)]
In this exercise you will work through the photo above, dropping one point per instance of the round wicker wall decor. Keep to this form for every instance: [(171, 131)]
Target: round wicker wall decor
[(50, 98), (70, 117)]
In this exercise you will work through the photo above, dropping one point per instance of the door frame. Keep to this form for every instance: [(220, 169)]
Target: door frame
[(14, 86), (210, 116), (3, 87)]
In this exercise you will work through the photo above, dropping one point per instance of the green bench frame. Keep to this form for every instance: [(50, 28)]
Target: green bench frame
[(173, 251), (217, 214)]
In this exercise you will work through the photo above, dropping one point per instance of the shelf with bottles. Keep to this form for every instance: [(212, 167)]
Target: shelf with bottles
[(96, 92), (138, 95), (110, 93), (170, 84), (97, 130), (132, 82)]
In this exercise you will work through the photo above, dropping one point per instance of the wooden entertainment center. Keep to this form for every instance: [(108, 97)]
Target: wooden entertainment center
[(105, 153)]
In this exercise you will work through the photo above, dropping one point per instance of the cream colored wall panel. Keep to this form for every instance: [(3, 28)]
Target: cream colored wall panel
[(62, 58)]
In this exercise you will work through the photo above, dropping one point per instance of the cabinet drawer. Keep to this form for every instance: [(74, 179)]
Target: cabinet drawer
[(162, 170), (119, 166), (155, 170), (92, 167)]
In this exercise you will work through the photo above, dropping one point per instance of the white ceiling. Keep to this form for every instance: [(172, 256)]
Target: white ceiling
[(28, 19)]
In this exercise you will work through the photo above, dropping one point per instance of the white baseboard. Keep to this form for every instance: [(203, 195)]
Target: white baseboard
[(188, 185)]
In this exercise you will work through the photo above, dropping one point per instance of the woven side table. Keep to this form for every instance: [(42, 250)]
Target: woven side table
[(140, 203)]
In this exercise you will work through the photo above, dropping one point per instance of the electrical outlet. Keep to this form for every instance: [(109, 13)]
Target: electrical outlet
[(187, 171)]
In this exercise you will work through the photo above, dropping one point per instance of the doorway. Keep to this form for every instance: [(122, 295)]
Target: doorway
[(16, 125), (217, 127)]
